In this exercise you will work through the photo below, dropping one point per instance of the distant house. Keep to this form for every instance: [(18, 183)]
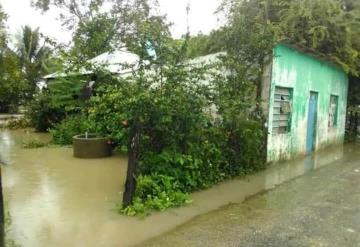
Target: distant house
[(119, 62), (304, 101)]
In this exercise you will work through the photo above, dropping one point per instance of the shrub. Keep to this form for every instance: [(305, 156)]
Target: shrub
[(43, 114), (155, 192), (64, 132), (245, 148), (61, 99)]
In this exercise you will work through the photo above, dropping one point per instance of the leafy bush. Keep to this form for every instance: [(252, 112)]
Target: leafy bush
[(156, 192), (42, 114), (62, 98), (64, 132)]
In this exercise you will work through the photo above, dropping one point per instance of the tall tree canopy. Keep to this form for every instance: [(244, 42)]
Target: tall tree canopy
[(94, 37), (203, 44), (33, 55), (330, 27), (11, 80), (3, 18), (100, 27)]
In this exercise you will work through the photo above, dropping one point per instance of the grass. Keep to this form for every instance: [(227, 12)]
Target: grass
[(31, 144)]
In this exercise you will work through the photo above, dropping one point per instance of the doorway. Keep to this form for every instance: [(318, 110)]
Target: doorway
[(312, 122)]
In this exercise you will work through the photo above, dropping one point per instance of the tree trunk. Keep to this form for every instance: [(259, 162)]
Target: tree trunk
[(133, 162)]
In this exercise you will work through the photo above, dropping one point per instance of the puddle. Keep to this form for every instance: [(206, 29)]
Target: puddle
[(57, 200)]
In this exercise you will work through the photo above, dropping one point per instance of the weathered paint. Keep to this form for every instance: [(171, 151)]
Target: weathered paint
[(304, 74)]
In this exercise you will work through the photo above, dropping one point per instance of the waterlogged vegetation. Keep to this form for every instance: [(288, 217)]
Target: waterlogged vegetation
[(30, 144), (20, 123), (182, 143)]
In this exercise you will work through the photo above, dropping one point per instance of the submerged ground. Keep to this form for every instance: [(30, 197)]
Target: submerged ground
[(53, 199), (321, 208)]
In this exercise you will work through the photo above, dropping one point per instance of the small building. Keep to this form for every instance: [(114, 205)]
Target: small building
[(304, 101), (118, 63)]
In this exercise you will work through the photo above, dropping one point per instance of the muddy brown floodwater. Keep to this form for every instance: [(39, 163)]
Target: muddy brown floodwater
[(54, 199)]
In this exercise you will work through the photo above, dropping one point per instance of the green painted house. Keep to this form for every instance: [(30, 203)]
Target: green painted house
[(304, 100)]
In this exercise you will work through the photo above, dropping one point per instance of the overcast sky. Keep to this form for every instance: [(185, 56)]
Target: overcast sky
[(202, 17)]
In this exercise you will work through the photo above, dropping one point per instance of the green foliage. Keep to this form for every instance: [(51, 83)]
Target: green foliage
[(20, 123), (21, 69), (12, 83), (96, 31), (202, 44), (64, 132), (31, 144), (351, 137), (43, 114), (155, 192), (3, 18), (94, 37), (330, 27), (33, 58), (354, 91), (62, 98)]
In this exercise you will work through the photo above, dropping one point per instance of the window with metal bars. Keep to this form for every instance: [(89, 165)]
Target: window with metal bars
[(282, 110)]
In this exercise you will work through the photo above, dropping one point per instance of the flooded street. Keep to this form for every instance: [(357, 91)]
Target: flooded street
[(320, 208), (54, 199)]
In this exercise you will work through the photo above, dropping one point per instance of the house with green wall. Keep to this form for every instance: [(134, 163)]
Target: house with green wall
[(304, 101)]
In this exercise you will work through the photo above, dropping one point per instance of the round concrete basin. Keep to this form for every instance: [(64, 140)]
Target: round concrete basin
[(91, 146)]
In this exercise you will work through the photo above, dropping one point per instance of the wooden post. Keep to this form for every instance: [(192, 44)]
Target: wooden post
[(133, 163)]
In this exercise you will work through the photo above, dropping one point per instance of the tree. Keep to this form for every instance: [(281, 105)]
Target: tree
[(73, 11), (12, 84), (330, 27), (11, 79), (203, 44), (33, 57), (3, 18), (94, 37), (97, 30)]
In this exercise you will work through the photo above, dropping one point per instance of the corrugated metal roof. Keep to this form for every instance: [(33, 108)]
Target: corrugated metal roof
[(117, 62), (123, 62)]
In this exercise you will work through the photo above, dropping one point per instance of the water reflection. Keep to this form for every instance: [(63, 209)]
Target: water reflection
[(285, 171)]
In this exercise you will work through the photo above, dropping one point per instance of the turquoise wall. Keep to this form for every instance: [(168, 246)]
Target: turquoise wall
[(304, 73)]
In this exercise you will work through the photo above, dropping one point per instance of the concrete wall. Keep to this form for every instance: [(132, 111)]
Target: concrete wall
[(304, 73)]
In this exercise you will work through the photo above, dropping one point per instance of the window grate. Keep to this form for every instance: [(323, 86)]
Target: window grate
[(282, 107)]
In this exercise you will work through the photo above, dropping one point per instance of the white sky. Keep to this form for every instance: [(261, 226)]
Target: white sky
[(202, 17)]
